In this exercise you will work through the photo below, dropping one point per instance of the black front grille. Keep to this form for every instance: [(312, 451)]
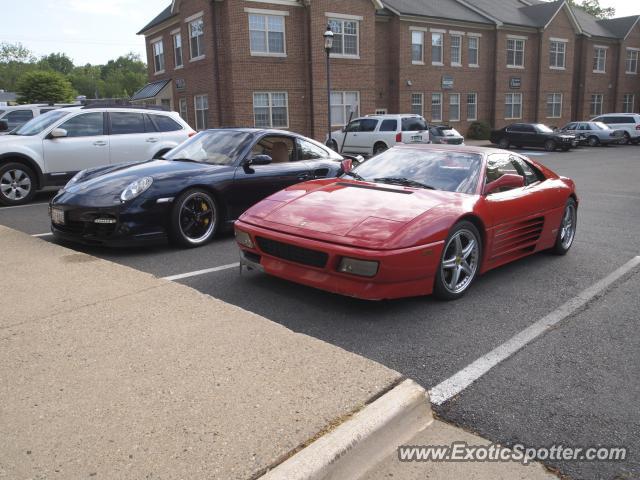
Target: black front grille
[(305, 256), (83, 223)]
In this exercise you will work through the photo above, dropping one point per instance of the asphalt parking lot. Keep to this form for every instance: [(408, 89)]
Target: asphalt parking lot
[(575, 385)]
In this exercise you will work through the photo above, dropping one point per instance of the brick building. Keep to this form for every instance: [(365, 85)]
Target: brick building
[(262, 63)]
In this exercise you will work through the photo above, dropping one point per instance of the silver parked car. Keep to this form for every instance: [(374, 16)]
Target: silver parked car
[(594, 133), (445, 134)]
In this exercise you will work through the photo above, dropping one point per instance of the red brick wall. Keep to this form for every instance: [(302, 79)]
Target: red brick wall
[(628, 83)]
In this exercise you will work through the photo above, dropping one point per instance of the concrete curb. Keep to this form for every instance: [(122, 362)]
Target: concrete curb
[(362, 441)]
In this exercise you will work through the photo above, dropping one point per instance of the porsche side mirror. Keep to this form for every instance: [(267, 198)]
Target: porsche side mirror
[(507, 181), (4, 126), (58, 133), (258, 160)]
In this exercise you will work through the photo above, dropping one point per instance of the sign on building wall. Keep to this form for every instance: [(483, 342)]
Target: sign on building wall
[(447, 82), (515, 82), (180, 84)]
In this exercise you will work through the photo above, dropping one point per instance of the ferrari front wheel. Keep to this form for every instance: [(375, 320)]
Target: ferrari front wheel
[(567, 230), (459, 262), (194, 218)]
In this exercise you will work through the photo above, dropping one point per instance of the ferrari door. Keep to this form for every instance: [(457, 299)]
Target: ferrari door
[(517, 215), (255, 182)]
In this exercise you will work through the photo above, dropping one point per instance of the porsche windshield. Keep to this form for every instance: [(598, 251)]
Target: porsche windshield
[(433, 169), (216, 147)]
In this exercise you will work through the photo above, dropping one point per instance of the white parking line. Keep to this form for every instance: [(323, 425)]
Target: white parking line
[(201, 272), (23, 206), (42, 234), (465, 377)]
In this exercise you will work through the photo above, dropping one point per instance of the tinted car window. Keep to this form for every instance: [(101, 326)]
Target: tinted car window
[(500, 164), (353, 126), (309, 151), (570, 126), (516, 127), (18, 117), (165, 124), (389, 126), (123, 123), (413, 124), (368, 125), (530, 175), (85, 125)]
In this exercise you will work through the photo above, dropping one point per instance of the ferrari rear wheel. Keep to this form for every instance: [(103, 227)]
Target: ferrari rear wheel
[(567, 230), (194, 218), (459, 263)]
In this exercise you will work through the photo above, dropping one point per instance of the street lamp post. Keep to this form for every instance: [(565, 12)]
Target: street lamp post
[(328, 43)]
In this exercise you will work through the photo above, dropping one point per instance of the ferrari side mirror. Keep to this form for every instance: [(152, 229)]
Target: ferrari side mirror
[(507, 181)]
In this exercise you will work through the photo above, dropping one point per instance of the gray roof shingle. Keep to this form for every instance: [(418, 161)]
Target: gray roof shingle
[(620, 26), (161, 17), (449, 9)]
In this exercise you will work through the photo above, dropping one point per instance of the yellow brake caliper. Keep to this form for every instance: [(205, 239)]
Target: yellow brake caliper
[(205, 208)]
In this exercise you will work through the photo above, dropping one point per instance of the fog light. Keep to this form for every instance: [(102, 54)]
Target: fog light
[(244, 239), (363, 268)]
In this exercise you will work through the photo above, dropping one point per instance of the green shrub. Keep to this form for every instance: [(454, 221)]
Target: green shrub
[(479, 131)]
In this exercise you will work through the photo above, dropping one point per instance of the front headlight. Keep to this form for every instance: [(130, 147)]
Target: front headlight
[(363, 268), (244, 239), (74, 179), (135, 188)]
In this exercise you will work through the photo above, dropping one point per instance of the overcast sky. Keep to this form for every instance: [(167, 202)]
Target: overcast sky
[(95, 31)]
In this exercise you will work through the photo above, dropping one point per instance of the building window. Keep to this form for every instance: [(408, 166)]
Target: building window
[(437, 44), (158, 57), (554, 105), (201, 105), (183, 109), (472, 106), (271, 109), (515, 53), (596, 104), (417, 47), (513, 106), (342, 105), (599, 59), (474, 44), (557, 54), (266, 34), (628, 103), (177, 49), (456, 46), (454, 107), (416, 103), (631, 61), (436, 107), (345, 37), (196, 38)]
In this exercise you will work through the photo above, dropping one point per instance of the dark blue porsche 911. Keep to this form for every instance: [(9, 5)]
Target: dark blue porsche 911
[(190, 194)]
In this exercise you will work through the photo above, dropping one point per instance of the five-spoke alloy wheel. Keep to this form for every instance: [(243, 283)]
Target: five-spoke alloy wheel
[(567, 230), (459, 262), (194, 218)]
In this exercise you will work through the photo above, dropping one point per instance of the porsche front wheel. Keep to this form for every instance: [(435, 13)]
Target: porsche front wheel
[(459, 262), (194, 219)]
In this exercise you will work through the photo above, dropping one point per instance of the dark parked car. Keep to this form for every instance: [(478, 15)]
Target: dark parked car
[(533, 135), (190, 193), (444, 134)]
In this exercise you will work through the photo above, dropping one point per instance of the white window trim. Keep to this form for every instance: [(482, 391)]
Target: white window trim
[(439, 119), (517, 37), (452, 120), (556, 39), (631, 49), (288, 3), (513, 94), (284, 34), (262, 11), (564, 53), (561, 104), (164, 60), (456, 32), (195, 108), (417, 62), (476, 36), (438, 30), (441, 63), (601, 47), (418, 29), (524, 49), (343, 105), (421, 102), (475, 117), (270, 93), (175, 56), (343, 17), (193, 17), (175, 31), (456, 64), (592, 103)]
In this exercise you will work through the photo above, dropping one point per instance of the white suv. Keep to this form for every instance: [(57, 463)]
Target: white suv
[(50, 149), (629, 123), (374, 134)]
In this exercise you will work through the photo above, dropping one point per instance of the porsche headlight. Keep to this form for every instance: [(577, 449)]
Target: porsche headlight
[(74, 179), (135, 188)]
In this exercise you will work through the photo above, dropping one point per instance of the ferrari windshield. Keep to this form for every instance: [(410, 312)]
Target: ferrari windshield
[(216, 147), (448, 170)]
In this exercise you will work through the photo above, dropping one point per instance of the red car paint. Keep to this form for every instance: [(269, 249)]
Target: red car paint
[(405, 232)]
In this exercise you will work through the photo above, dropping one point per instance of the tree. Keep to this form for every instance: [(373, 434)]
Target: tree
[(44, 86), (594, 8), (58, 62), (15, 52)]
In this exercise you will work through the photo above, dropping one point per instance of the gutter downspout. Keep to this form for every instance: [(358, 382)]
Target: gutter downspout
[(309, 73), (617, 77), (539, 77), (216, 63), (493, 110)]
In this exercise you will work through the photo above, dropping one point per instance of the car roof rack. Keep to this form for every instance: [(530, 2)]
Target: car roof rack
[(121, 104)]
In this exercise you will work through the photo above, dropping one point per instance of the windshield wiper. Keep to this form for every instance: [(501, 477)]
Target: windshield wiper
[(355, 175), (181, 160), (405, 182)]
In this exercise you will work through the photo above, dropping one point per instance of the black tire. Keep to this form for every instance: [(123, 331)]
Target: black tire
[(160, 154), (593, 141), (550, 145), (442, 284), (333, 145), (504, 143), (379, 148), (566, 148), (627, 139), (562, 244), (195, 218), (18, 184)]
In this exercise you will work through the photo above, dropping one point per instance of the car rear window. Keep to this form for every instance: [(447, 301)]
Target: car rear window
[(165, 124), (368, 124), (389, 126), (413, 124)]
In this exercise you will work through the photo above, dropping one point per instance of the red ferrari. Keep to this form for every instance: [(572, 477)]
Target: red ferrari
[(414, 220)]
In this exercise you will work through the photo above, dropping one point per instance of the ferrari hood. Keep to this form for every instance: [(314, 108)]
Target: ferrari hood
[(358, 212)]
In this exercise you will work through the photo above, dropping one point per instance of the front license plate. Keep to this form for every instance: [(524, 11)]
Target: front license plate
[(57, 216), (416, 138)]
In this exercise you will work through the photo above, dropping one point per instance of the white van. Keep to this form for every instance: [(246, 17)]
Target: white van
[(629, 123)]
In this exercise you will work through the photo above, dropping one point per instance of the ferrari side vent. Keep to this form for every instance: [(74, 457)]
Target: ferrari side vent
[(517, 237)]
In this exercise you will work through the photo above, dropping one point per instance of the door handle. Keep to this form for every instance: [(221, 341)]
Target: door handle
[(100, 143), (152, 140), (304, 176)]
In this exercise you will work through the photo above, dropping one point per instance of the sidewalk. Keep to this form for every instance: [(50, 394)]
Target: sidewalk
[(109, 372)]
